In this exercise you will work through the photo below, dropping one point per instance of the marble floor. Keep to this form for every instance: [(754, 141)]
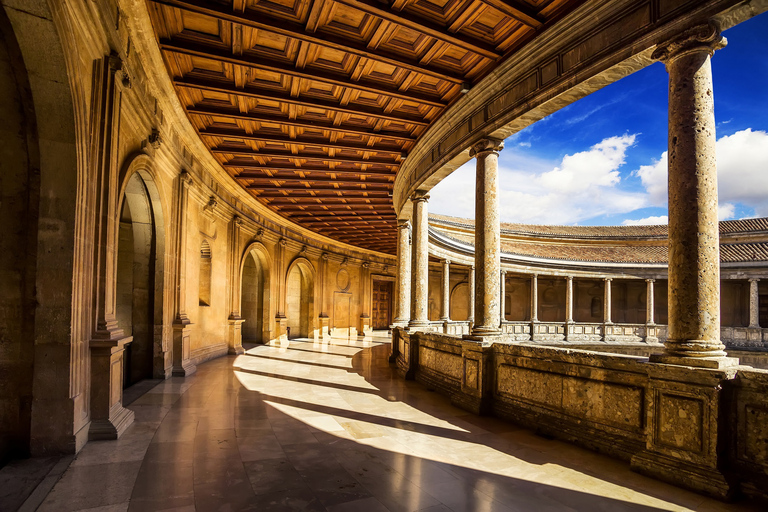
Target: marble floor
[(330, 426)]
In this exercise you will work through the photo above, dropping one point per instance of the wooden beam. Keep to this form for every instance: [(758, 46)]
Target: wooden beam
[(339, 172), (225, 55), (319, 179), (320, 188), (218, 132), (275, 191), (330, 200), (253, 165), (518, 10), (271, 95), (341, 215), (267, 23), (263, 118), (272, 154), (423, 26)]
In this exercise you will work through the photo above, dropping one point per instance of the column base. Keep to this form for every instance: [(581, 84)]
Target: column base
[(119, 420), (235, 341), (696, 478), (714, 363), (183, 366), (485, 332), (186, 369)]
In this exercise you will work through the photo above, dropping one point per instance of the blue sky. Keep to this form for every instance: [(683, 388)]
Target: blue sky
[(602, 160)]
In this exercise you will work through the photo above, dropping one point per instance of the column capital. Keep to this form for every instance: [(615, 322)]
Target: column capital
[(237, 221), (419, 196), (503, 272), (608, 279), (569, 278), (186, 179), (403, 224), (649, 280), (754, 279), (701, 38), (488, 145), (446, 262)]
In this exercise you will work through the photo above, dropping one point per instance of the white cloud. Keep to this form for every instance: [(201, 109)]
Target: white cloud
[(742, 170), (582, 186), (647, 221), (525, 144)]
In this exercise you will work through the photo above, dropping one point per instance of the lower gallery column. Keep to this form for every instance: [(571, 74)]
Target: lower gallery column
[(487, 238), (534, 301), (419, 263), (403, 273), (754, 304), (694, 254), (503, 295), (235, 333), (471, 279), (651, 332), (446, 307)]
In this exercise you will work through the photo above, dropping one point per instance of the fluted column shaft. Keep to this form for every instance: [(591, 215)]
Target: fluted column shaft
[(420, 263), (446, 306), (403, 313), (487, 238), (754, 304), (694, 254)]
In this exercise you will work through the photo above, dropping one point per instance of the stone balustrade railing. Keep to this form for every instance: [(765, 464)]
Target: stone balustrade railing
[(621, 405)]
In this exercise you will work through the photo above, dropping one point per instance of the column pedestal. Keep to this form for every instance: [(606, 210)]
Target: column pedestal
[(235, 336), (109, 418), (281, 329), (183, 366)]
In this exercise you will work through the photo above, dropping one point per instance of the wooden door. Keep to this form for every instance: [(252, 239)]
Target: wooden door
[(382, 304)]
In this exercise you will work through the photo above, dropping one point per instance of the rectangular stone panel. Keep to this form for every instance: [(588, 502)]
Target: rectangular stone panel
[(669, 6), (604, 402), (515, 93), (471, 373), (441, 362), (756, 434), (530, 385), (679, 421), (604, 39), (549, 72)]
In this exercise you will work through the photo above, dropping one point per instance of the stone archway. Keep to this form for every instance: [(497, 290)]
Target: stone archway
[(140, 277), (300, 299), (254, 295)]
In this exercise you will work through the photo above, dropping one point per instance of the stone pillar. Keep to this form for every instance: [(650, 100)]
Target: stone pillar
[(183, 365), (754, 304), (568, 306), (487, 238), (503, 295), (649, 302), (607, 301), (420, 263), (471, 279), (281, 321), (403, 284), (365, 317), (324, 322), (535, 298), (693, 337), (446, 307), (235, 331)]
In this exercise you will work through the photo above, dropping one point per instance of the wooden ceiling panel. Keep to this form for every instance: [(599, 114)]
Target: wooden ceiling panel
[(311, 105)]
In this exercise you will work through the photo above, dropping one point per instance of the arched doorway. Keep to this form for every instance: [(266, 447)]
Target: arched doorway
[(139, 279), (252, 299), (300, 299)]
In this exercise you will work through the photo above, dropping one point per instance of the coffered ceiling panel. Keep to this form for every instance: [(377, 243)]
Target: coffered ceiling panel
[(312, 105)]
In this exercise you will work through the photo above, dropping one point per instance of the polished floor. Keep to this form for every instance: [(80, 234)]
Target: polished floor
[(314, 426)]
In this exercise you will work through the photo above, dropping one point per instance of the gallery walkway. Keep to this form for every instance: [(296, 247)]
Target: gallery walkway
[(313, 426)]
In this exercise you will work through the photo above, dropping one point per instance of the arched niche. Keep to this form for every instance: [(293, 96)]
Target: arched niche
[(254, 293), (460, 302), (140, 277), (300, 299)]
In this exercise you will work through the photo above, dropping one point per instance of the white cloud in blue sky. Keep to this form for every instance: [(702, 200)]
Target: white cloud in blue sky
[(602, 160)]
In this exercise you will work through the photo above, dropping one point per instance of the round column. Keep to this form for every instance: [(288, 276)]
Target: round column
[(420, 263), (649, 302), (569, 299), (503, 295), (535, 298), (754, 304), (694, 252), (471, 294), (607, 302), (487, 238), (446, 307), (403, 313)]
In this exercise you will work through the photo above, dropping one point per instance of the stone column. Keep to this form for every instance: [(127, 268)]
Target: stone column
[(754, 304), (534, 298), (420, 263), (471, 278), (235, 335), (487, 238), (446, 307), (649, 302), (607, 301), (403, 283), (568, 306), (183, 365), (324, 320), (693, 337), (281, 321), (365, 317), (502, 295)]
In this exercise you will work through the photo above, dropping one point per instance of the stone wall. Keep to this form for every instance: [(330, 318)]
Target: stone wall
[(698, 428)]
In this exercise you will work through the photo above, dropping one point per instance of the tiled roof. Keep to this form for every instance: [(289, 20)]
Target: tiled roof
[(625, 253), (658, 231)]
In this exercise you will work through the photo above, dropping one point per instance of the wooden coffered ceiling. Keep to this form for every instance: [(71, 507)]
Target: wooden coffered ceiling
[(312, 105)]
